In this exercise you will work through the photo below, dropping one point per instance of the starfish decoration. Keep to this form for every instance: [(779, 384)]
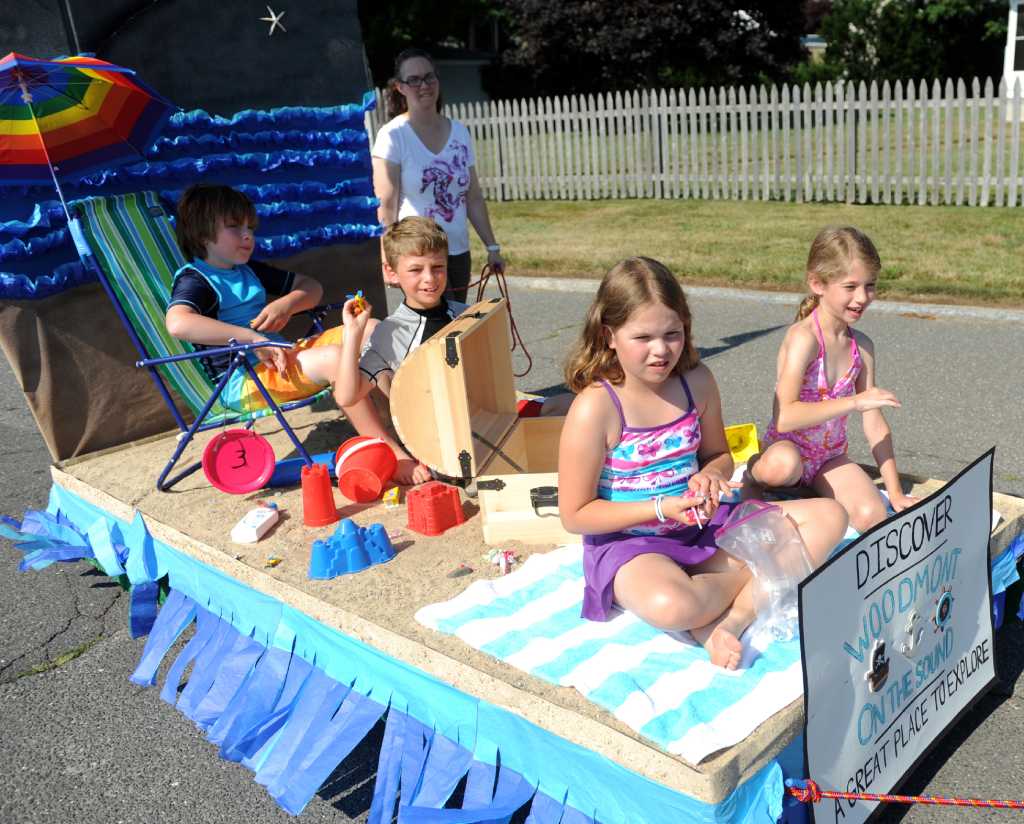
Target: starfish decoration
[(275, 21)]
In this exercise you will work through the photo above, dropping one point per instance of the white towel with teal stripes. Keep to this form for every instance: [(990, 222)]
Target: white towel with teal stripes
[(660, 684)]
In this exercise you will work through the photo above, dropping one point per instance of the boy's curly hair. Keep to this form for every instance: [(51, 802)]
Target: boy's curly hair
[(200, 207), (413, 236)]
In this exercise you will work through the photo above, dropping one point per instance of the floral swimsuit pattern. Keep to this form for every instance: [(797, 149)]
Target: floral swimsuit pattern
[(822, 442), (651, 461)]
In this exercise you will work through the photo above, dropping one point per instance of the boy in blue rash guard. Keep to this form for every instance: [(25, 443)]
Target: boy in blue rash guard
[(222, 294)]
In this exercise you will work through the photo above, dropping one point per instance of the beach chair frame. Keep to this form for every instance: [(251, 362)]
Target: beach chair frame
[(147, 205)]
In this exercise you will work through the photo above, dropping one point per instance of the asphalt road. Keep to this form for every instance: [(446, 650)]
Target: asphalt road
[(79, 743)]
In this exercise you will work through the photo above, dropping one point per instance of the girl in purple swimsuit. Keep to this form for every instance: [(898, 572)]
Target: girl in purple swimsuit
[(642, 461), (826, 371)]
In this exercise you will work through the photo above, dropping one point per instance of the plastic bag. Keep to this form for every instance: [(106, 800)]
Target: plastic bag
[(761, 536)]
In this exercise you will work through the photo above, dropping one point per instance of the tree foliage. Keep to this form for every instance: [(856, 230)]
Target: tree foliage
[(389, 26), (580, 46), (915, 39)]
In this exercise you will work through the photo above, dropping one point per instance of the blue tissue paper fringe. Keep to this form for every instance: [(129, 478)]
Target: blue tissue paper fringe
[(45, 215), (18, 249), (194, 168), (290, 699), (240, 141), (36, 287), (312, 164), (306, 190), (45, 538), (292, 724), (308, 117)]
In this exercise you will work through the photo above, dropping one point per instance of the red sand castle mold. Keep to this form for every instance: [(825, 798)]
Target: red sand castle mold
[(318, 507), (434, 508)]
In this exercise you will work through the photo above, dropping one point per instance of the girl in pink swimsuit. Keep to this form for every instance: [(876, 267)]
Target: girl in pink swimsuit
[(642, 462), (826, 371)]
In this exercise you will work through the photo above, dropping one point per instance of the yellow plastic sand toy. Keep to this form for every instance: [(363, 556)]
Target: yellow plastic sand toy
[(742, 439)]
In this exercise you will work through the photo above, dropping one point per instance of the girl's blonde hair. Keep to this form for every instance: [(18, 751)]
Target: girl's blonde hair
[(630, 285), (832, 252)]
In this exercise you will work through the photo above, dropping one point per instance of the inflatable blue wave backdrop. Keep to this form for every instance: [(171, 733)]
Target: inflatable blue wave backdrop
[(307, 170)]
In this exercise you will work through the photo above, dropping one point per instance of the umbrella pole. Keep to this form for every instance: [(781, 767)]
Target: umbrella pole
[(26, 97)]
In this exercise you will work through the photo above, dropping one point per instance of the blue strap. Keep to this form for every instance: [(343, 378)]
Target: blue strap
[(418, 740), (326, 747), (253, 745), (206, 623), (233, 671), (318, 688), (102, 542), (44, 555), (573, 816), (142, 608), (385, 790), (545, 810), (207, 665), (177, 614), (446, 764), (141, 565), (38, 522), (254, 701), (479, 785), (513, 791)]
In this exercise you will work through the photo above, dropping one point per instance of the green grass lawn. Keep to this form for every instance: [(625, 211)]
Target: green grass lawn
[(934, 253)]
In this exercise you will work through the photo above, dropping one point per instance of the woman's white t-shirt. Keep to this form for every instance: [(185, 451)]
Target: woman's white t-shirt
[(432, 185)]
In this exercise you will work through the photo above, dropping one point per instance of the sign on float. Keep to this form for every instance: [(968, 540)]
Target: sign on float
[(896, 639)]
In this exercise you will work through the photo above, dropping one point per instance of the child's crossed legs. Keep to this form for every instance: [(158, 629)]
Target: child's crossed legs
[(782, 464)]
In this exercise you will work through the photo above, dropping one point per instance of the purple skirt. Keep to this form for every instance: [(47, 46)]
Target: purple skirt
[(604, 554)]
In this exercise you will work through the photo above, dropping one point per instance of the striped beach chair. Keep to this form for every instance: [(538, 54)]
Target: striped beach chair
[(128, 240)]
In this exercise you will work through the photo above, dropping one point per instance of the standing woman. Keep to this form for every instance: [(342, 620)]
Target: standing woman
[(423, 164)]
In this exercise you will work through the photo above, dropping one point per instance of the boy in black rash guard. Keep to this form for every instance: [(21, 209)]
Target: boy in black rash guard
[(416, 260), (416, 253)]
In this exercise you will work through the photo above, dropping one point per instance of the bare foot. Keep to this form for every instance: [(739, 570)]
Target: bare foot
[(410, 473), (724, 648)]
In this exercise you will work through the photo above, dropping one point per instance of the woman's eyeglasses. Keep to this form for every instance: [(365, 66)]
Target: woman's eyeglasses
[(417, 80)]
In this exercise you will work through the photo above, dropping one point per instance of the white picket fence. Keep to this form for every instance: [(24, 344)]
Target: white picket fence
[(899, 143)]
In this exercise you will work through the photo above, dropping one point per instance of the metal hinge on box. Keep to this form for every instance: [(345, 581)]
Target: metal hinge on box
[(451, 351), (466, 465), (491, 485)]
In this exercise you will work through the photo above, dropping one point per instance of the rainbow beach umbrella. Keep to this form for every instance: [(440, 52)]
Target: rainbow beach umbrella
[(72, 115)]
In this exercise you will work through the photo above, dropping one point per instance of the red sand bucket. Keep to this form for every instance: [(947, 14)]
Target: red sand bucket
[(363, 466)]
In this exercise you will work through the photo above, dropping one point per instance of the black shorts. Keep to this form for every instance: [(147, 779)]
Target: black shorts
[(459, 269)]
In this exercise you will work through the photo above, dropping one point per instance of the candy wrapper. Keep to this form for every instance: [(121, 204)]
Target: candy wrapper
[(504, 559)]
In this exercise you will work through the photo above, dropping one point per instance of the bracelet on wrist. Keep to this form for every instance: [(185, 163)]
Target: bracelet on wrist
[(657, 509), (493, 247)]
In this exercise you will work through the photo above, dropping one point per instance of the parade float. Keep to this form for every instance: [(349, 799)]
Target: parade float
[(495, 696)]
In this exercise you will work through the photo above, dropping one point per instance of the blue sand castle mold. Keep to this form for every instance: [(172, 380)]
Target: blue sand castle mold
[(350, 549)]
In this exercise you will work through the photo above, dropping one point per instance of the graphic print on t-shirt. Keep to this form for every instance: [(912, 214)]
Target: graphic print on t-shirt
[(440, 175)]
